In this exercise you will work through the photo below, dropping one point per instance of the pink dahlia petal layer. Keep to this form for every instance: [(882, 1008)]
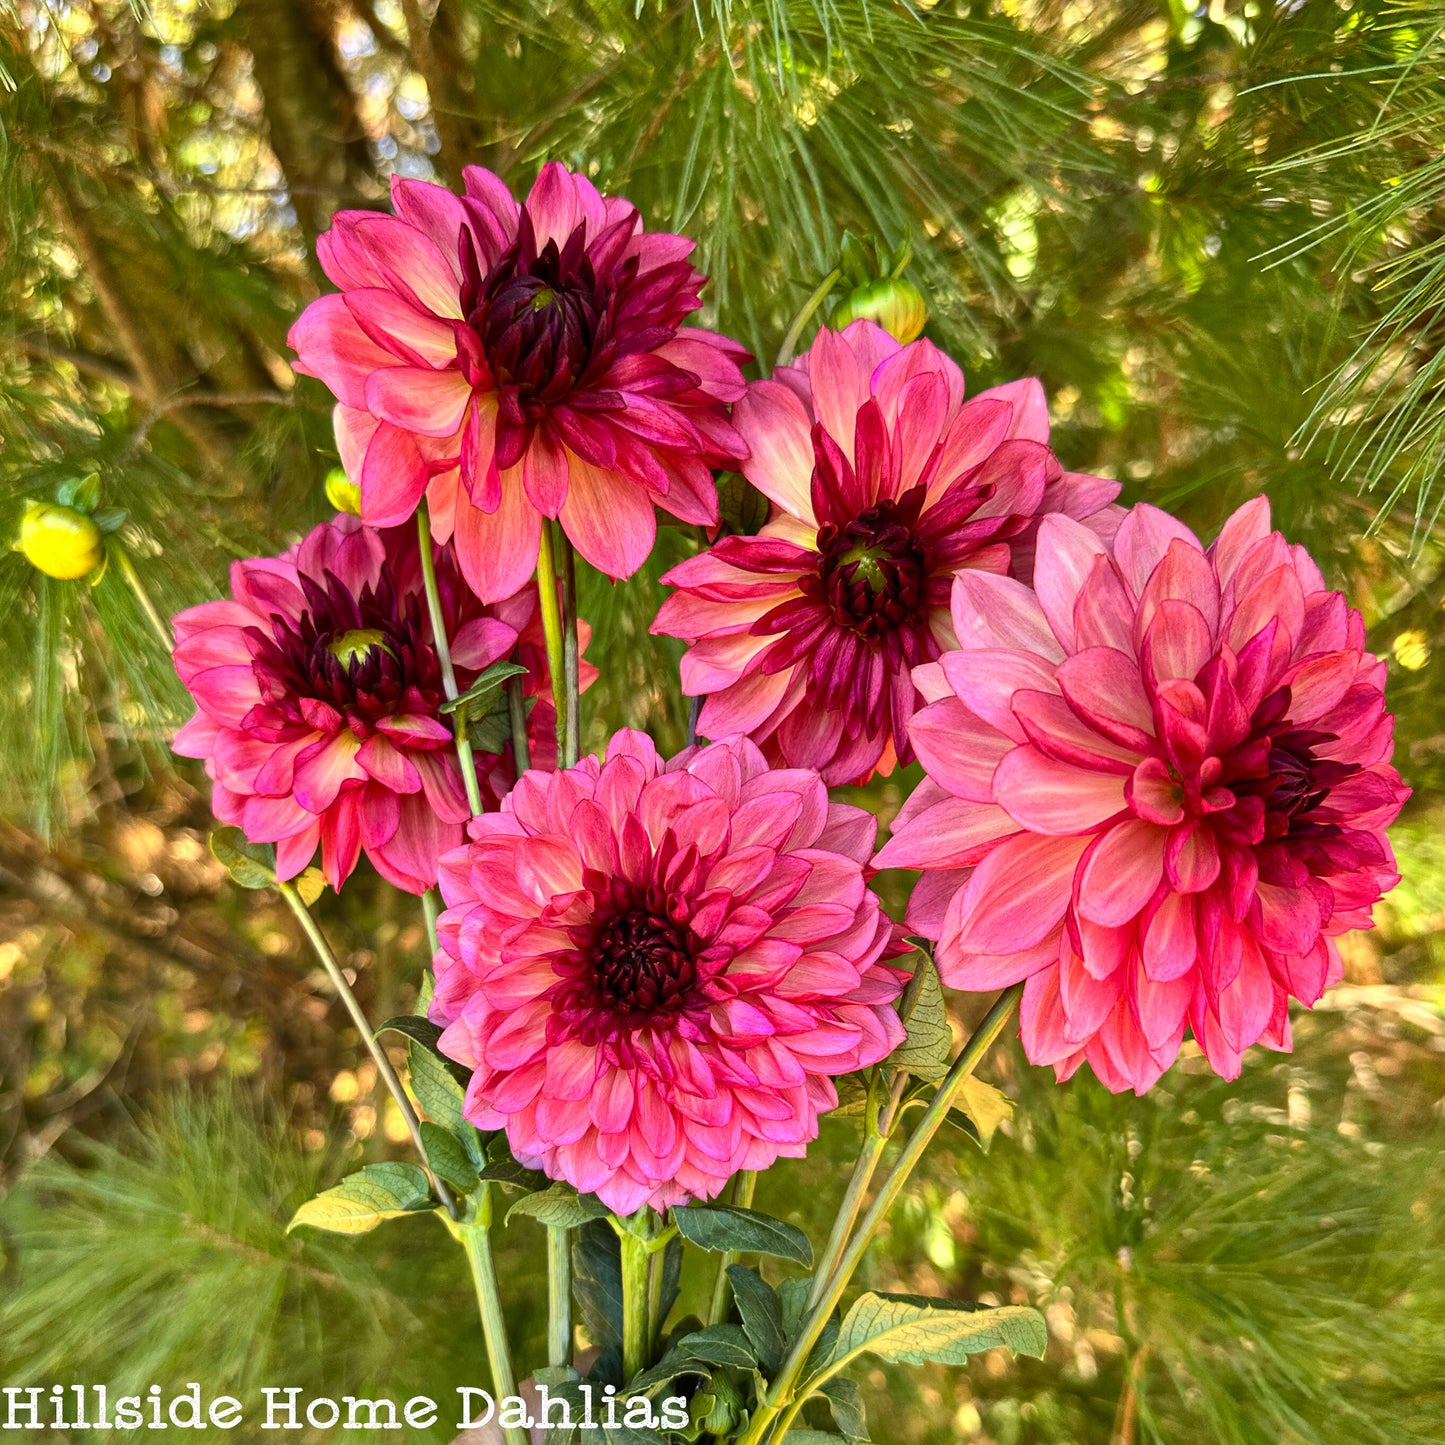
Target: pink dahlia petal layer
[(521, 359), (1189, 747), (654, 968)]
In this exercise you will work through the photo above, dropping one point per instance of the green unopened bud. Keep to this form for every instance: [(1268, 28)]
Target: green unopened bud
[(342, 492), (715, 1409), (893, 303), (357, 645), (59, 541)]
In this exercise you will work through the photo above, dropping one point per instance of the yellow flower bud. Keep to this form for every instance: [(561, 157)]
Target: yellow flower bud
[(59, 541), (893, 303), (342, 492)]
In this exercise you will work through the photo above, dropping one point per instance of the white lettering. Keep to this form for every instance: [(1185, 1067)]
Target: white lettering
[(466, 1392), (292, 1420)]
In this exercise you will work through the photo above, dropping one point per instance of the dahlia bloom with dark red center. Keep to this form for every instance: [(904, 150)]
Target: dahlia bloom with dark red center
[(654, 968), (884, 483), (318, 697), (1157, 788), (511, 362)]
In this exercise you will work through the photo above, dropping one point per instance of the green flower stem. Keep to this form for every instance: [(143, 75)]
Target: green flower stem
[(322, 949), (559, 1295), (790, 341), (444, 659), (571, 655), (552, 630), (781, 1393), (431, 906), (126, 567), (635, 1255), (517, 713), (475, 1237), (744, 1183), (875, 1140)]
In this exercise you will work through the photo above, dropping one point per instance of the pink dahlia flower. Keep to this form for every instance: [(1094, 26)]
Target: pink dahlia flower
[(318, 698), (1157, 788), (655, 967), (511, 362), (884, 484)]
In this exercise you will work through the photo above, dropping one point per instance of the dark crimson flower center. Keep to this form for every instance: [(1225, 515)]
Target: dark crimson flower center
[(540, 317), (643, 965), (367, 656), (872, 570)]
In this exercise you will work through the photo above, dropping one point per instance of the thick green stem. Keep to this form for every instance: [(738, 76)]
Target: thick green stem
[(552, 631), (126, 567), (781, 1393), (323, 952), (517, 715), (474, 1235), (744, 1184), (571, 739), (790, 341), (635, 1255), (431, 907), (444, 660), (870, 1151), (559, 1295)]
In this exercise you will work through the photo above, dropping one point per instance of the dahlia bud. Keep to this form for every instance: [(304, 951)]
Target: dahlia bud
[(342, 492), (893, 303), (59, 541)]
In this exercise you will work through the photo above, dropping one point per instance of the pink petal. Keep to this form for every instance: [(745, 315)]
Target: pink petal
[(608, 517), (775, 426), (1047, 796), (1123, 870)]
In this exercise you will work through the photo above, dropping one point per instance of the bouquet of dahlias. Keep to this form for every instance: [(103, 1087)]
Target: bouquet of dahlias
[(1157, 784)]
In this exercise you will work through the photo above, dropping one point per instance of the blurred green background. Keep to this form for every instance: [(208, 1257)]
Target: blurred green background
[(1217, 235)]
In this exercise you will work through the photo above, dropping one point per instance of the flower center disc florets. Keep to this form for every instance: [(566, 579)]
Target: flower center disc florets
[(537, 318), (643, 965), (872, 572)]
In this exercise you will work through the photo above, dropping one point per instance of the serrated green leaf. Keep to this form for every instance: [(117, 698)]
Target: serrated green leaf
[(845, 1400), (362, 1200), (720, 1227), (251, 865), (761, 1314), (852, 1095), (597, 1281), (447, 1157), (719, 1345), (560, 1207), (482, 695), (439, 1083), (915, 1329), (926, 1050), (981, 1109)]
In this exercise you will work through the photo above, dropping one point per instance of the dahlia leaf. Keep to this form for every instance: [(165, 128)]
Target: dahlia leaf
[(597, 1282), (925, 1052), (845, 1400), (813, 1437), (723, 1227), (761, 1314), (251, 865), (980, 1109), (483, 694), (362, 1200), (447, 1157), (438, 1083), (916, 1329), (560, 1207), (720, 1345)]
